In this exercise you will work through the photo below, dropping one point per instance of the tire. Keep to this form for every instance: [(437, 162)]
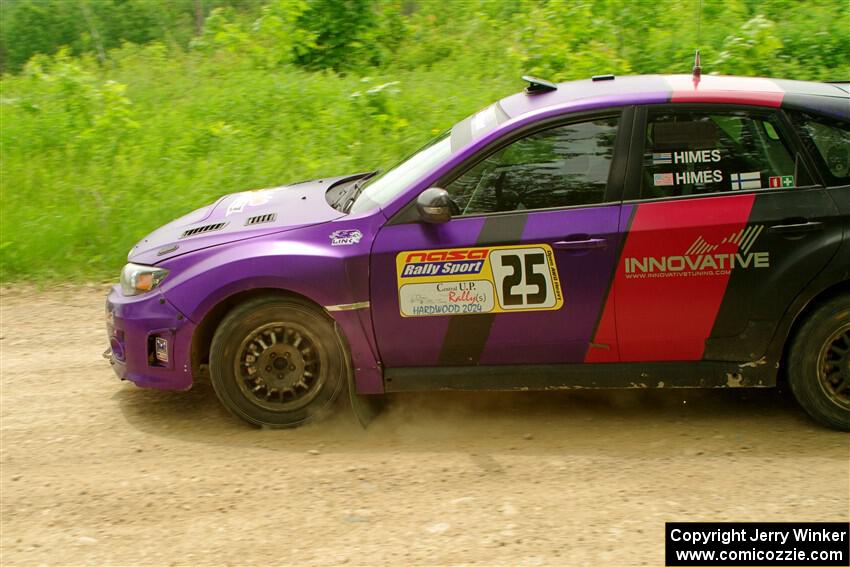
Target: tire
[(277, 362), (819, 364)]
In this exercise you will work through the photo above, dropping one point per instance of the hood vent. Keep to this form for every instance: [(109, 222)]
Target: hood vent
[(261, 219), (203, 229)]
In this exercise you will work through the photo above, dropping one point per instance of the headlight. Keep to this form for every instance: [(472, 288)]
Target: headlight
[(136, 279)]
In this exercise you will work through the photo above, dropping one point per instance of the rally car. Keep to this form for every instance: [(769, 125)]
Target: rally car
[(643, 232)]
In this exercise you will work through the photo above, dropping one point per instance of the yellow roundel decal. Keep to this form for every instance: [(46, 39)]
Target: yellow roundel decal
[(485, 279)]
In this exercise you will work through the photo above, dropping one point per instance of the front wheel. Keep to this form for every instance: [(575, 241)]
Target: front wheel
[(277, 362), (819, 364)]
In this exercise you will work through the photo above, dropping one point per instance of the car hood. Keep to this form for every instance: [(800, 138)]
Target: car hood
[(241, 215)]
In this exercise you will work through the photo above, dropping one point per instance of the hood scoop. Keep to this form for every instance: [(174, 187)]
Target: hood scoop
[(240, 216), (203, 229), (261, 219)]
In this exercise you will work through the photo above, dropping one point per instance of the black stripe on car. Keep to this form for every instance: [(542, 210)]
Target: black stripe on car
[(467, 335)]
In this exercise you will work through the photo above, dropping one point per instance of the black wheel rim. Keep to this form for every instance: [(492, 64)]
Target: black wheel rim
[(834, 367), (280, 366)]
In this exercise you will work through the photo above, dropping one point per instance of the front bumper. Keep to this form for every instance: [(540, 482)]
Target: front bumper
[(139, 328)]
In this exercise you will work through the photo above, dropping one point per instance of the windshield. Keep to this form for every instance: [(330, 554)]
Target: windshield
[(382, 188)]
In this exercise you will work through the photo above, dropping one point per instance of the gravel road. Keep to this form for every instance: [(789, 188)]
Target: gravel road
[(99, 472)]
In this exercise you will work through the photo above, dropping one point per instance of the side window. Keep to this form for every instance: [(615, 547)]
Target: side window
[(829, 143), (559, 167), (693, 153)]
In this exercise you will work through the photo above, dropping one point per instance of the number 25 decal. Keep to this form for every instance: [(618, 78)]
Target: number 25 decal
[(523, 278), (485, 279)]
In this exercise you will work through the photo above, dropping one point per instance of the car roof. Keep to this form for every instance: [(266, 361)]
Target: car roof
[(824, 98)]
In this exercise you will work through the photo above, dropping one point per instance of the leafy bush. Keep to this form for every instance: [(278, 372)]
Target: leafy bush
[(99, 148)]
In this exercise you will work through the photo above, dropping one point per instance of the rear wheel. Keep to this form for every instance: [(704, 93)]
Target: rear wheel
[(819, 364), (277, 362)]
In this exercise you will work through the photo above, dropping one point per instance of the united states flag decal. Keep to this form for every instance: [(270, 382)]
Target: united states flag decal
[(661, 179), (751, 180)]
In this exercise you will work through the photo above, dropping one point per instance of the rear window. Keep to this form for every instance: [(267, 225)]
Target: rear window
[(829, 143), (698, 152)]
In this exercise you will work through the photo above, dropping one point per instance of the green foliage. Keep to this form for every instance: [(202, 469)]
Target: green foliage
[(97, 113), (31, 27), (119, 115), (752, 48), (272, 39), (565, 41), (340, 29)]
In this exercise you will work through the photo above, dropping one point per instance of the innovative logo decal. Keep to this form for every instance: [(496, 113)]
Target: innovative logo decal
[(466, 281), (703, 258)]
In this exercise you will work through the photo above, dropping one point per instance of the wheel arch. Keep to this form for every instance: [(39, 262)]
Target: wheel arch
[(207, 325), (813, 304), (205, 288)]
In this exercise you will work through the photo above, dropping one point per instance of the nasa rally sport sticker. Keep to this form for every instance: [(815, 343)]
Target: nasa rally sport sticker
[(487, 279)]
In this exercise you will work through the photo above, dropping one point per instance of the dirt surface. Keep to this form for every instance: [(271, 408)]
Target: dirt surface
[(99, 472)]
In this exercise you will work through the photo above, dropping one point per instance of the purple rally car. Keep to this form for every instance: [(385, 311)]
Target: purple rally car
[(648, 231)]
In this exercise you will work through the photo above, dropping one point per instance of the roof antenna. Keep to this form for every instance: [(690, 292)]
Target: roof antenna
[(697, 71)]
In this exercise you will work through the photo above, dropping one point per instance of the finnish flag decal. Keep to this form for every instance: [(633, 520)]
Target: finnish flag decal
[(662, 158), (751, 180)]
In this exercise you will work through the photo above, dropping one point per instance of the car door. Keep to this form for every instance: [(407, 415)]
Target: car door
[(726, 226), (520, 274)]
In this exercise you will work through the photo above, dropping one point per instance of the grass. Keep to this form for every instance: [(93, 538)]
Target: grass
[(93, 157), (78, 193)]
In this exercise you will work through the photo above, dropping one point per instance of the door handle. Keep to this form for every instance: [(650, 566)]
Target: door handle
[(584, 244), (796, 227)]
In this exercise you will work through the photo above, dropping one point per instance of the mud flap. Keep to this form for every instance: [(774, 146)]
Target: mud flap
[(365, 408)]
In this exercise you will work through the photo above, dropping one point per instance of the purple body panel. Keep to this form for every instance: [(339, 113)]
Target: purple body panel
[(624, 90), (131, 320), (513, 338), (293, 251), (562, 336), (406, 341), (294, 206), (301, 262)]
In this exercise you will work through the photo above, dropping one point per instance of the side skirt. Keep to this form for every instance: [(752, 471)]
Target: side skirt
[(567, 376)]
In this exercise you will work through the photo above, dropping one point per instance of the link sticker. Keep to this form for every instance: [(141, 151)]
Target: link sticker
[(467, 281)]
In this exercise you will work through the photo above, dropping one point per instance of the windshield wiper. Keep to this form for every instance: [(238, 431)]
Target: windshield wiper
[(357, 189), (344, 193)]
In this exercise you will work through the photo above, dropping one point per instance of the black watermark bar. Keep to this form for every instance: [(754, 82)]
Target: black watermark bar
[(691, 544)]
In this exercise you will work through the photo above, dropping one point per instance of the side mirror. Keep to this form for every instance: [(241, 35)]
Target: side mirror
[(435, 205)]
